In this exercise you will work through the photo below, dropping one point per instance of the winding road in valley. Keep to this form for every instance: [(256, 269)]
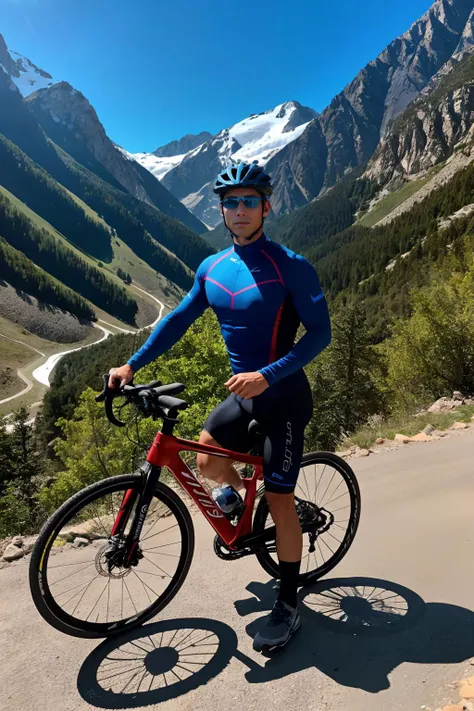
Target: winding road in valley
[(42, 373)]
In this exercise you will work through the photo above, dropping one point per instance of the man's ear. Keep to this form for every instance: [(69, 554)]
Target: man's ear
[(267, 208)]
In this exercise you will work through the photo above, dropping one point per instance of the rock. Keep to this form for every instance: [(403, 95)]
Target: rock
[(467, 688), (347, 453), (28, 544), (80, 542), (379, 440), (362, 453), (422, 437), (12, 552), (18, 541), (429, 429), (459, 426), (403, 439), (440, 433), (457, 395), (444, 405)]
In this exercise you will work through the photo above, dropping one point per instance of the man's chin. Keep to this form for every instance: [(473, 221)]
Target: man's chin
[(242, 232)]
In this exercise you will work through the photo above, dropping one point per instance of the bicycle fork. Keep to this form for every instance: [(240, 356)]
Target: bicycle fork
[(125, 553)]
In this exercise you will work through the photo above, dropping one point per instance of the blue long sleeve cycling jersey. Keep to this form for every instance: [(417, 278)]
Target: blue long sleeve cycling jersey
[(260, 293)]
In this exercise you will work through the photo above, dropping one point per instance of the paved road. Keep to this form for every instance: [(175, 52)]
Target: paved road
[(412, 559)]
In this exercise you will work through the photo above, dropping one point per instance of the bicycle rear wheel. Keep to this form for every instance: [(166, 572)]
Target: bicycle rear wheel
[(72, 584), (328, 486)]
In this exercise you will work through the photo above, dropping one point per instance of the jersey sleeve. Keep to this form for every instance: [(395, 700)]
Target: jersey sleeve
[(169, 330), (312, 309)]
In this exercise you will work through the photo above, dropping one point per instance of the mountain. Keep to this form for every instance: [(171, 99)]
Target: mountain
[(71, 122), (24, 74), (429, 132), (190, 177), (349, 129), (183, 146), (313, 152)]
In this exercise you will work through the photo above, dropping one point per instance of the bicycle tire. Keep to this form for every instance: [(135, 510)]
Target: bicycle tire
[(42, 597), (262, 512)]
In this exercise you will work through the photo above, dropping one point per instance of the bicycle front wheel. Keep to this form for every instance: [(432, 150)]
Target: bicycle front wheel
[(72, 583)]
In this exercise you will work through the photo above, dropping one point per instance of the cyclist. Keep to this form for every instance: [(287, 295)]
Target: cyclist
[(260, 292)]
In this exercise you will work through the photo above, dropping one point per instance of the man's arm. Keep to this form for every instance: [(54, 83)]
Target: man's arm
[(169, 330), (311, 306)]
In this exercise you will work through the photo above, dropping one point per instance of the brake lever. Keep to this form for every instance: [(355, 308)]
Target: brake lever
[(107, 395)]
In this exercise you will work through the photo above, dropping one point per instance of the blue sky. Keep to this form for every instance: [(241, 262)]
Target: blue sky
[(155, 70)]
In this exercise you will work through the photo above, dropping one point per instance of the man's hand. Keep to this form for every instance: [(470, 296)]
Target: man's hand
[(120, 376), (247, 385)]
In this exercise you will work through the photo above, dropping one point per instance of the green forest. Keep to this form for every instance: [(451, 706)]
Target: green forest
[(59, 261), (21, 273)]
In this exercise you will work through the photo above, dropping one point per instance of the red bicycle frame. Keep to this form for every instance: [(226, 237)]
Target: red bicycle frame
[(164, 452)]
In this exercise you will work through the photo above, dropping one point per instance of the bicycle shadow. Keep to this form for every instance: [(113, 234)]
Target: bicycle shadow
[(155, 663), (354, 630), (358, 630)]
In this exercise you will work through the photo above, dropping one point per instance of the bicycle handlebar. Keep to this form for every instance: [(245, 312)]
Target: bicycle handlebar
[(152, 399)]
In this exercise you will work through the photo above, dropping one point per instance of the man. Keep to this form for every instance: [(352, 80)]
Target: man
[(260, 292)]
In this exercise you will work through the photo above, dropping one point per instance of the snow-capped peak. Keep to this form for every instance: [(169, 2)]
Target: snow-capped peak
[(24, 74), (258, 137), (262, 135)]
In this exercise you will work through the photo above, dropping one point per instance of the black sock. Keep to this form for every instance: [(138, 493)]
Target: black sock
[(289, 573)]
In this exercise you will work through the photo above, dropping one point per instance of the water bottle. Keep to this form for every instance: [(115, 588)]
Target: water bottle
[(228, 500)]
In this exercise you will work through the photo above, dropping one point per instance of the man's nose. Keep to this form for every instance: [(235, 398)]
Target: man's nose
[(240, 208)]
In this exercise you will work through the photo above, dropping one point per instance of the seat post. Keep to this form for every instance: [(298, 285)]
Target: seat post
[(168, 425)]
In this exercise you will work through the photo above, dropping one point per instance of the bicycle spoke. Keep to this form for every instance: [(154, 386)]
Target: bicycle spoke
[(98, 599), (142, 540)]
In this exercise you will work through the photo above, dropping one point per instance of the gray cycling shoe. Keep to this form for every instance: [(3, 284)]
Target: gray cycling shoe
[(280, 625)]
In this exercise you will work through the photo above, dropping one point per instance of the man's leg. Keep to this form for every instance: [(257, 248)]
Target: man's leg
[(283, 450), (226, 427), (217, 469), (289, 541)]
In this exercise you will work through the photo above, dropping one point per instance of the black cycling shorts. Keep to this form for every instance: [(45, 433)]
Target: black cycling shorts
[(283, 411)]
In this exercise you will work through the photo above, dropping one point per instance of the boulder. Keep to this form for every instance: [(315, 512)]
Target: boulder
[(467, 688), (362, 453), (18, 541), (12, 552), (458, 396), (459, 426), (443, 405), (28, 543), (429, 429), (379, 440), (401, 438), (80, 542), (422, 437)]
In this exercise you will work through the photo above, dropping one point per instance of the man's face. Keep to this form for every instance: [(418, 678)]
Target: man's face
[(243, 221)]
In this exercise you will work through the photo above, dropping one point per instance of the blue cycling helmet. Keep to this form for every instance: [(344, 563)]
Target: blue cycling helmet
[(243, 175)]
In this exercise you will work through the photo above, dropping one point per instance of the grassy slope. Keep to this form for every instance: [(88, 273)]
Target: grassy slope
[(143, 274), (390, 202)]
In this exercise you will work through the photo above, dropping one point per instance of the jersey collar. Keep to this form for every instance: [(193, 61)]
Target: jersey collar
[(249, 250)]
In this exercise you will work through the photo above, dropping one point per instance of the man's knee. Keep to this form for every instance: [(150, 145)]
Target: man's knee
[(206, 463), (280, 505)]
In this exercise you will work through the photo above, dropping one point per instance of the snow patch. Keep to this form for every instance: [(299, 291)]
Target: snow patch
[(159, 167), (30, 78)]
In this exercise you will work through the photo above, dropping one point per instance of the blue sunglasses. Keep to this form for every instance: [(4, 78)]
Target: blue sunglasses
[(250, 201)]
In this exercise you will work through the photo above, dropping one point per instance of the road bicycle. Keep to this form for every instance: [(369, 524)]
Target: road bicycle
[(117, 552)]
